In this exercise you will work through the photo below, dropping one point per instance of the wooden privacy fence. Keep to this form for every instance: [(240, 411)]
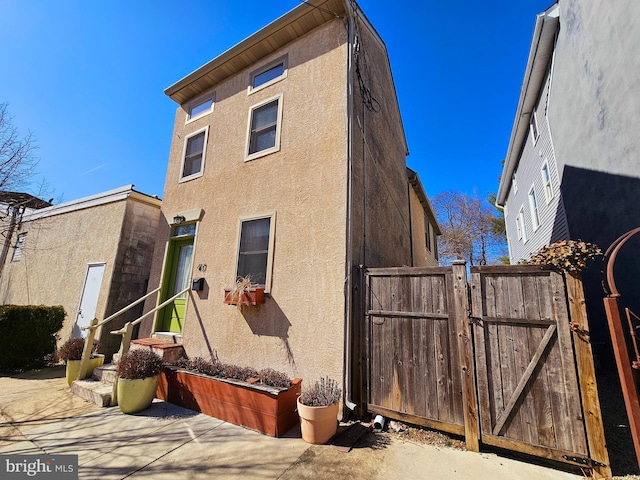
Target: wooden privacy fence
[(506, 362)]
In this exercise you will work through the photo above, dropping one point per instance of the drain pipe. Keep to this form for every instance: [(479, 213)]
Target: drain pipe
[(348, 350)]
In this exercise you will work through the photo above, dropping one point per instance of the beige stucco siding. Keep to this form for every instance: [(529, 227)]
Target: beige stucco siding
[(300, 327), (55, 257)]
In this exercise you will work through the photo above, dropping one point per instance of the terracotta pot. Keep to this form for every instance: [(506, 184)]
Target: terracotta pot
[(136, 395), (73, 367), (252, 296), (318, 424)]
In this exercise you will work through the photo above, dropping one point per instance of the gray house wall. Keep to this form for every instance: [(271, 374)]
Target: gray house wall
[(528, 175)]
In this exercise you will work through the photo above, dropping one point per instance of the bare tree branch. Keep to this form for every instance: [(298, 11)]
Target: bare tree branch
[(17, 161)]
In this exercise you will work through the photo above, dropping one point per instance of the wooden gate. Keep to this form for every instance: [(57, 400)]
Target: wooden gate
[(508, 365)]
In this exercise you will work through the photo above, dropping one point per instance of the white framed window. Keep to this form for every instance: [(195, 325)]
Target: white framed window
[(522, 235), (200, 107), (263, 135), (17, 250), (193, 156), (267, 75), (546, 180), (533, 126), (514, 183), (533, 206), (255, 249)]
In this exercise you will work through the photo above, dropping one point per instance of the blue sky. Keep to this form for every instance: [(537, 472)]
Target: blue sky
[(87, 77)]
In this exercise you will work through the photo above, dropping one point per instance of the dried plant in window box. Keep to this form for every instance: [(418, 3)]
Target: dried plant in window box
[(244, 292)]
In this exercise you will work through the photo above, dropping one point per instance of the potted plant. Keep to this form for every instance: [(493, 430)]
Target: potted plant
[(318, 410), (138, 372), (244, 292), (71, 353)]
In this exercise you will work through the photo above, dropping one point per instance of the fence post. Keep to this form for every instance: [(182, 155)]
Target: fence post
[(465, 354), (587, 376)]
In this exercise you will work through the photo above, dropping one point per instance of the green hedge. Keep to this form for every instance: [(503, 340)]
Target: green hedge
[(28, 335)]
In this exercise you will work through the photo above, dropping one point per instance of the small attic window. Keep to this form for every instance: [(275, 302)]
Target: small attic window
[(199, 108), (268, 74)]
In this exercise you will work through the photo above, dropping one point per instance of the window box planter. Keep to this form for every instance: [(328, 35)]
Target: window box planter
[(249, 296), (269, 410)]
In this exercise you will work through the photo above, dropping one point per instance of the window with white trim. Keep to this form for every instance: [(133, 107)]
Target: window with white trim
[(193, 157), (268, 74), (200, 107), (533, 126), (17, 249), (264, 128), (533, 206), (546, 179), (514, 183), (520, 226), (255, 249)]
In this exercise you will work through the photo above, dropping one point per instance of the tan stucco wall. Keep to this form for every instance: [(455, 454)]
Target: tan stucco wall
[(300, 328), (380, 213), (421, 256), (55, 257)]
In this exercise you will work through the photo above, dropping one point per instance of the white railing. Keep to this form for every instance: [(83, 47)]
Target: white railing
[(126, 331)]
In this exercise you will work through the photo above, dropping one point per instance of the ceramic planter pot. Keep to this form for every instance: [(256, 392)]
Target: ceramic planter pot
[(136, 395), (318, 424), (73, 367)]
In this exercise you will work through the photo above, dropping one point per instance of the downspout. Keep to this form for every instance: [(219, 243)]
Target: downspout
[(348, 350), (410, 223)]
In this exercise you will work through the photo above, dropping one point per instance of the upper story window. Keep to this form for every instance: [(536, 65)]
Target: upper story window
[(268, 74), (533, 206), (199, 107), (194, 154), (17, 252), (533, 126), (522, 235), (428, 233), (514, 183), (255, 249), (546, 179), (264, 128)]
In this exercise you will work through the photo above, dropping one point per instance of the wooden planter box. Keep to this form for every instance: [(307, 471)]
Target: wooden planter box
[(269, 410), (253, 296)]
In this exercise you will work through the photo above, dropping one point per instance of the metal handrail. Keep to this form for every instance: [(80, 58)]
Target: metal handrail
[(120, 312), (126, 331)]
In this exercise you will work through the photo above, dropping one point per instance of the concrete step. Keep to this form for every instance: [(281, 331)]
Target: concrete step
[(106, 373), (169, 337), (93, 391)]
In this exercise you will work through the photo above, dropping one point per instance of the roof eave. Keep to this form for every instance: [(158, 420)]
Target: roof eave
[(178, 91), (540, 52)]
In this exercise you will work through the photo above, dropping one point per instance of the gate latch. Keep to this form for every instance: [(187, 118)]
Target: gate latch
[(475, 320), (589, 462)]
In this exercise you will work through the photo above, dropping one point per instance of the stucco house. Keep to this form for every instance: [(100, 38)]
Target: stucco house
[(287, 163), (571, 169), (91, 255)]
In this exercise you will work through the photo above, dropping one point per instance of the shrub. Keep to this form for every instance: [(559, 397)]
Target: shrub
[(571, 256), (72, 349), (28, 335), (214, 368), (272, 377), (323, 393), (139, 364)]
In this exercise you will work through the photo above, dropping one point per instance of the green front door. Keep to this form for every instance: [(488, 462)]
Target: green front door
[(177, 278)]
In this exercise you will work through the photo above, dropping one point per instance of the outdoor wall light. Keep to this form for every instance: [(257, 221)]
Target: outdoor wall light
[(178, 219)]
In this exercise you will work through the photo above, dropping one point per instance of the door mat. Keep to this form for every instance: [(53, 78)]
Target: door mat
[(349, 438)]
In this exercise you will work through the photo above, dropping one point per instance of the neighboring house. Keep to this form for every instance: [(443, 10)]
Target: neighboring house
[(287, 163), (424, 226), (91, 255), (13, 206), (572, 166)]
